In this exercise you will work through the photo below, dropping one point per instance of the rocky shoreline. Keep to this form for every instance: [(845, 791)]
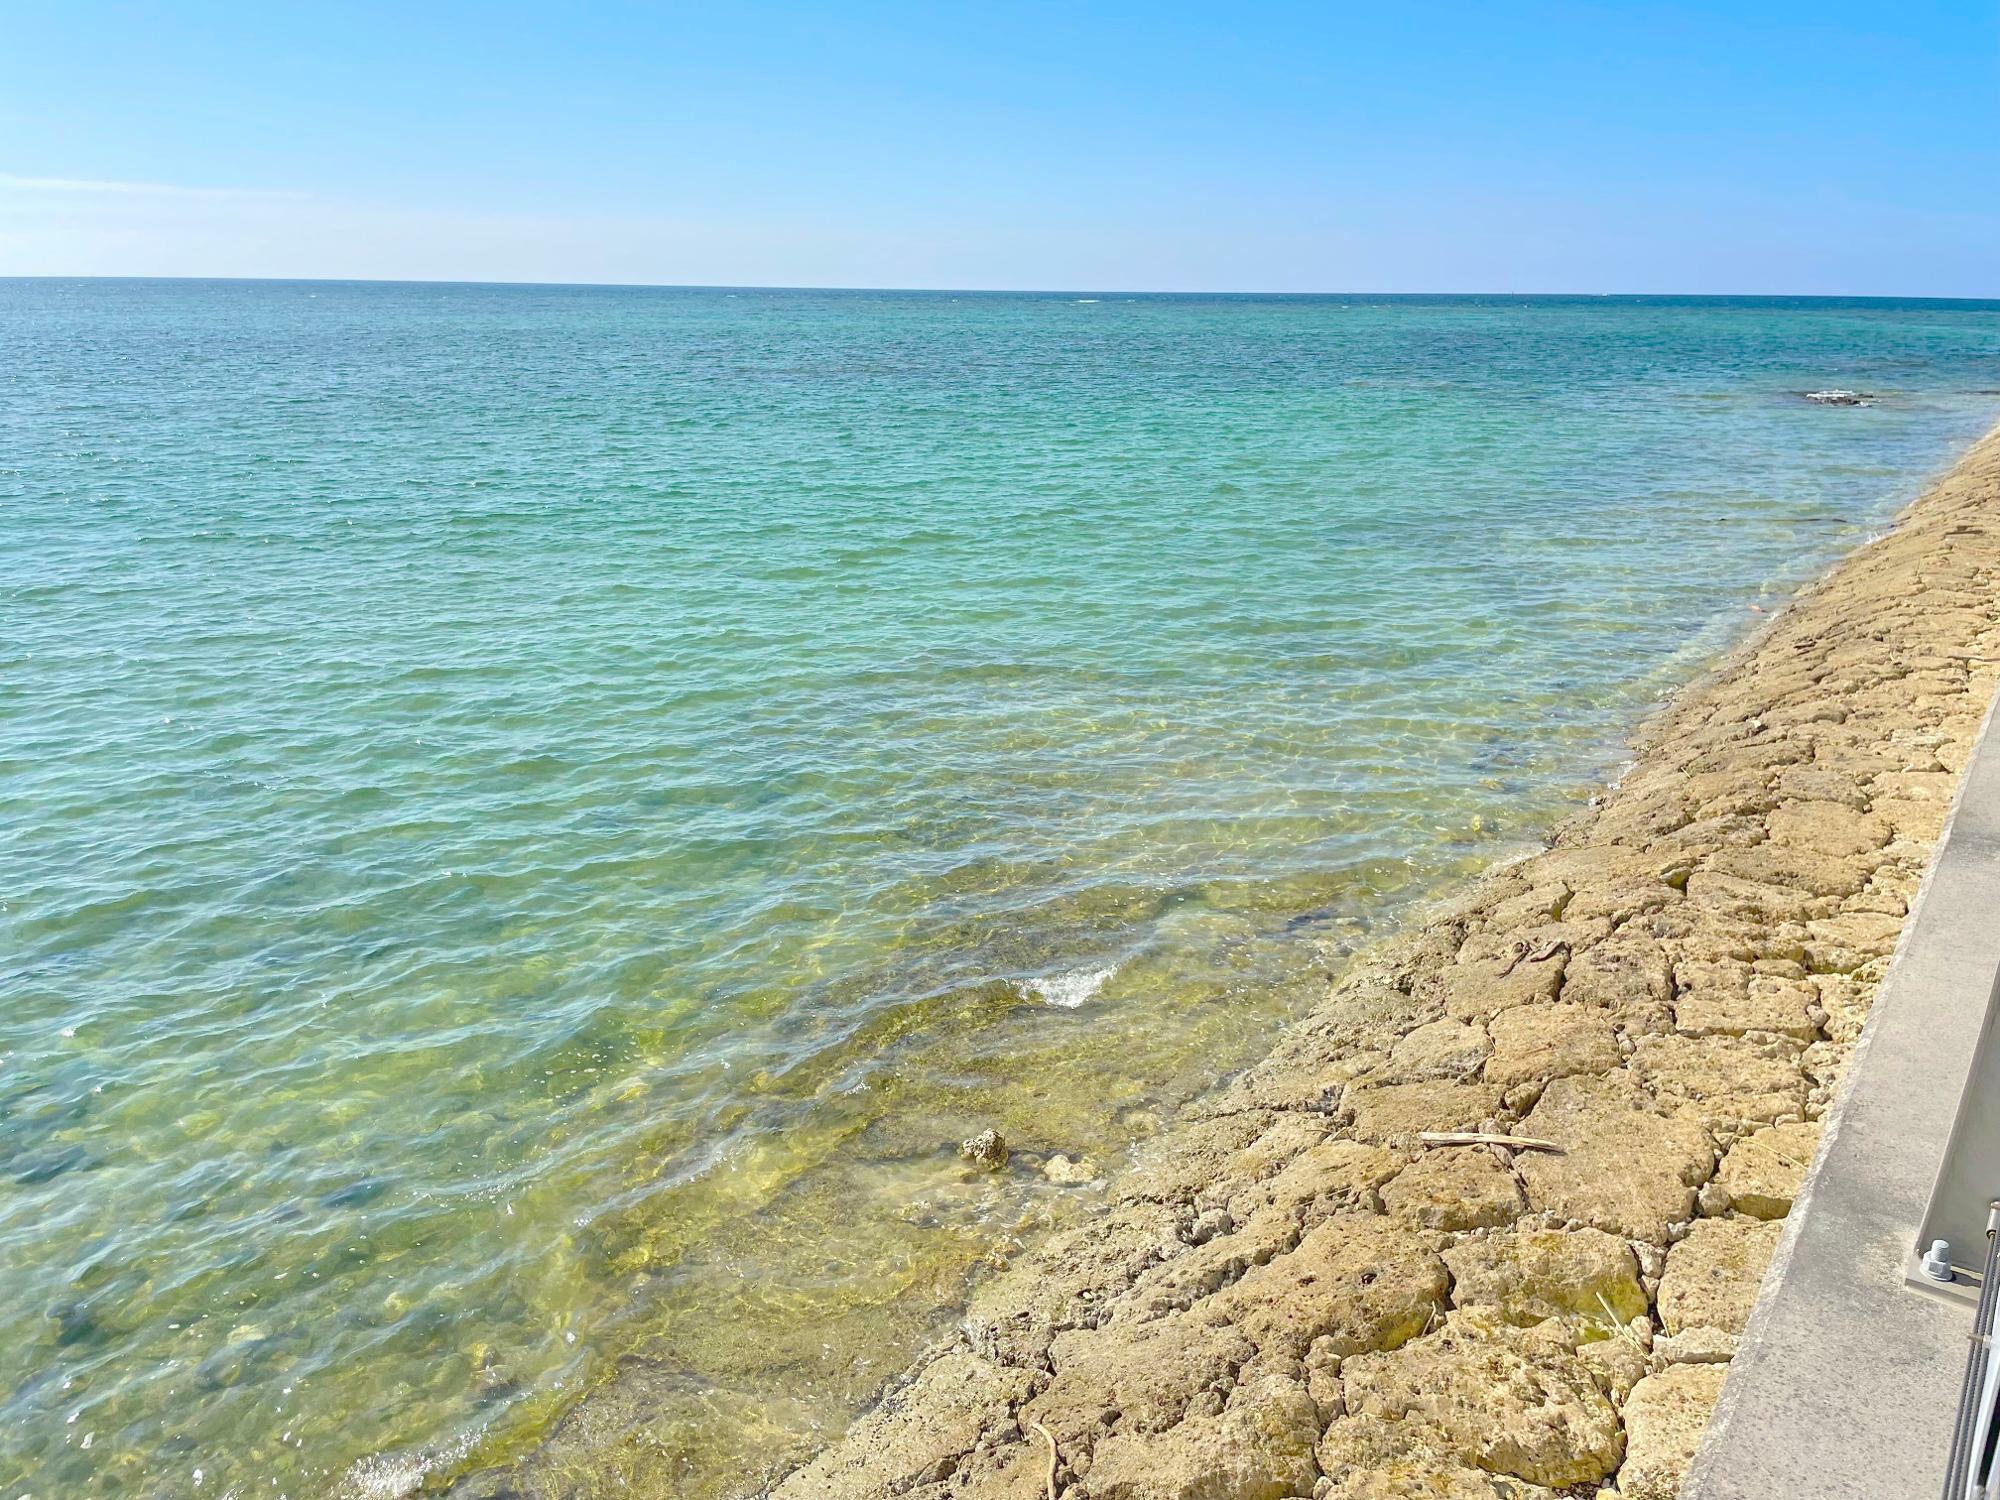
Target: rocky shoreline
[(1293, 1293)]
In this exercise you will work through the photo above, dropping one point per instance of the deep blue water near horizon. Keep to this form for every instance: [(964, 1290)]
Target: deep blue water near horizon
[(533, 818)]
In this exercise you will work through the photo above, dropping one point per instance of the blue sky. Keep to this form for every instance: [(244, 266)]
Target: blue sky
[(1832, 147)]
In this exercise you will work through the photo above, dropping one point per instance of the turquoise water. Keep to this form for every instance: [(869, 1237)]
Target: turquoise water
[(532, 819)]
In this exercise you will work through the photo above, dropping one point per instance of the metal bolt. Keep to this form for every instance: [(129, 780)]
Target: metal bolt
[(1937, 1261)]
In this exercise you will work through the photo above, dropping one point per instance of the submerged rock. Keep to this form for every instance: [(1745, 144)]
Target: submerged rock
[(1063, 1172), (987, 1149)]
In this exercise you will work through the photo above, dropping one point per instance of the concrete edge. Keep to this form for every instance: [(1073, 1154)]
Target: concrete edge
[(1846, 1379)]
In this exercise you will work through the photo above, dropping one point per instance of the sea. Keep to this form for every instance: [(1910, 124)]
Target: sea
[(534, 819)]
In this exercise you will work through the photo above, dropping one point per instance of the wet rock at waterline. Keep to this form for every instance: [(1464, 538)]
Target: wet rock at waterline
[(987, 1149)]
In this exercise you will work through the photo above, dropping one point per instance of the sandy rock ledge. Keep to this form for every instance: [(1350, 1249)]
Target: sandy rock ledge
[(1289, 1296)]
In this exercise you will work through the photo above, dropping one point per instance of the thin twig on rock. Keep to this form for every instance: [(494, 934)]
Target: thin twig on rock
[(1524, 955), (1052, 1456), (1481, 1138)]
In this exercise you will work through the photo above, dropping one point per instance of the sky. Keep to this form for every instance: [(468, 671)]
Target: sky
[(1831, 147)]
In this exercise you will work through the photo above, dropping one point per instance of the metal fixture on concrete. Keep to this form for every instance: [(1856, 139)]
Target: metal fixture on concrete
[(1936, 1263), (1971, 1474)]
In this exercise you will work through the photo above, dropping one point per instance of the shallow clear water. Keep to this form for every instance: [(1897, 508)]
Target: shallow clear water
[(532, 819)]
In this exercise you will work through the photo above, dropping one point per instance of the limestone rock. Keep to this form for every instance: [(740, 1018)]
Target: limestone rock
[(1625, 1168), (1581, 866), (1013, 1466), (1498, 975), (1842, 943), (1064, 1172), (1550, 1041), (1482, 895), (916, 1436), (1531, 1274), (1622, 900), (1801, 870), (1542, 903), (1445, 1049), (1730, 999), (1704, 836), (1456, 1188), (1845, 1003), (1069, 1282), (1333, 1177), (1361, 1283), (1628, 972), (1910, 819), (1724, 1080), (1829, 828), (1762, 1172), (1276, 1147), (1142, 1377), (1733, 791), (1507, 1400), (1712, 1276), (1194, 1155), (1401, 1477), (1617, 1360), (1397, 1111), (1716, 895), (1209, 1224), (987, 1149), (1698, 1346), (1258, 1447), (1936, 787), (1181, 1282), (1664, 1418), (1821, 784)]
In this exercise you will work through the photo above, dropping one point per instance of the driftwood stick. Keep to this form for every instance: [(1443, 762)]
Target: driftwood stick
[(1052, 1456), (1480, 1138)]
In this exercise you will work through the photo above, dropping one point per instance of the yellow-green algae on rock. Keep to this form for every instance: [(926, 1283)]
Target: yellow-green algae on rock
[(1276, 1302)]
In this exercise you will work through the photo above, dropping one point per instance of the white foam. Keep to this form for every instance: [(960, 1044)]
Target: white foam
[(395, 1476), (1071, 989)]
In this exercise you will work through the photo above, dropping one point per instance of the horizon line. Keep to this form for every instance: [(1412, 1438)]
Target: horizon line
[(1022, 291)]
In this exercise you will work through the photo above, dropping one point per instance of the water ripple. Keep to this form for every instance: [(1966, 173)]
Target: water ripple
[(532, 819)]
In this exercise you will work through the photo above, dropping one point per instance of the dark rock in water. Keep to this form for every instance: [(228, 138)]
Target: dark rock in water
[(76, 1323), (1841, 398), (33, 1169), (987, 1149), (355, 1193)]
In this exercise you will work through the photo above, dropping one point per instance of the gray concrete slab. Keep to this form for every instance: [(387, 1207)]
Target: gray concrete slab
[(1846, 1383)]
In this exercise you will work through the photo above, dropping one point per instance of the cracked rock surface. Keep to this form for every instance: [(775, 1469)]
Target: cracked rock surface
[(1291, 1296)]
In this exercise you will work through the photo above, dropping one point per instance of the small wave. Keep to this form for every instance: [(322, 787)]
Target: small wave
[(1086, 301), (396, 1476), (1071, 989)]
